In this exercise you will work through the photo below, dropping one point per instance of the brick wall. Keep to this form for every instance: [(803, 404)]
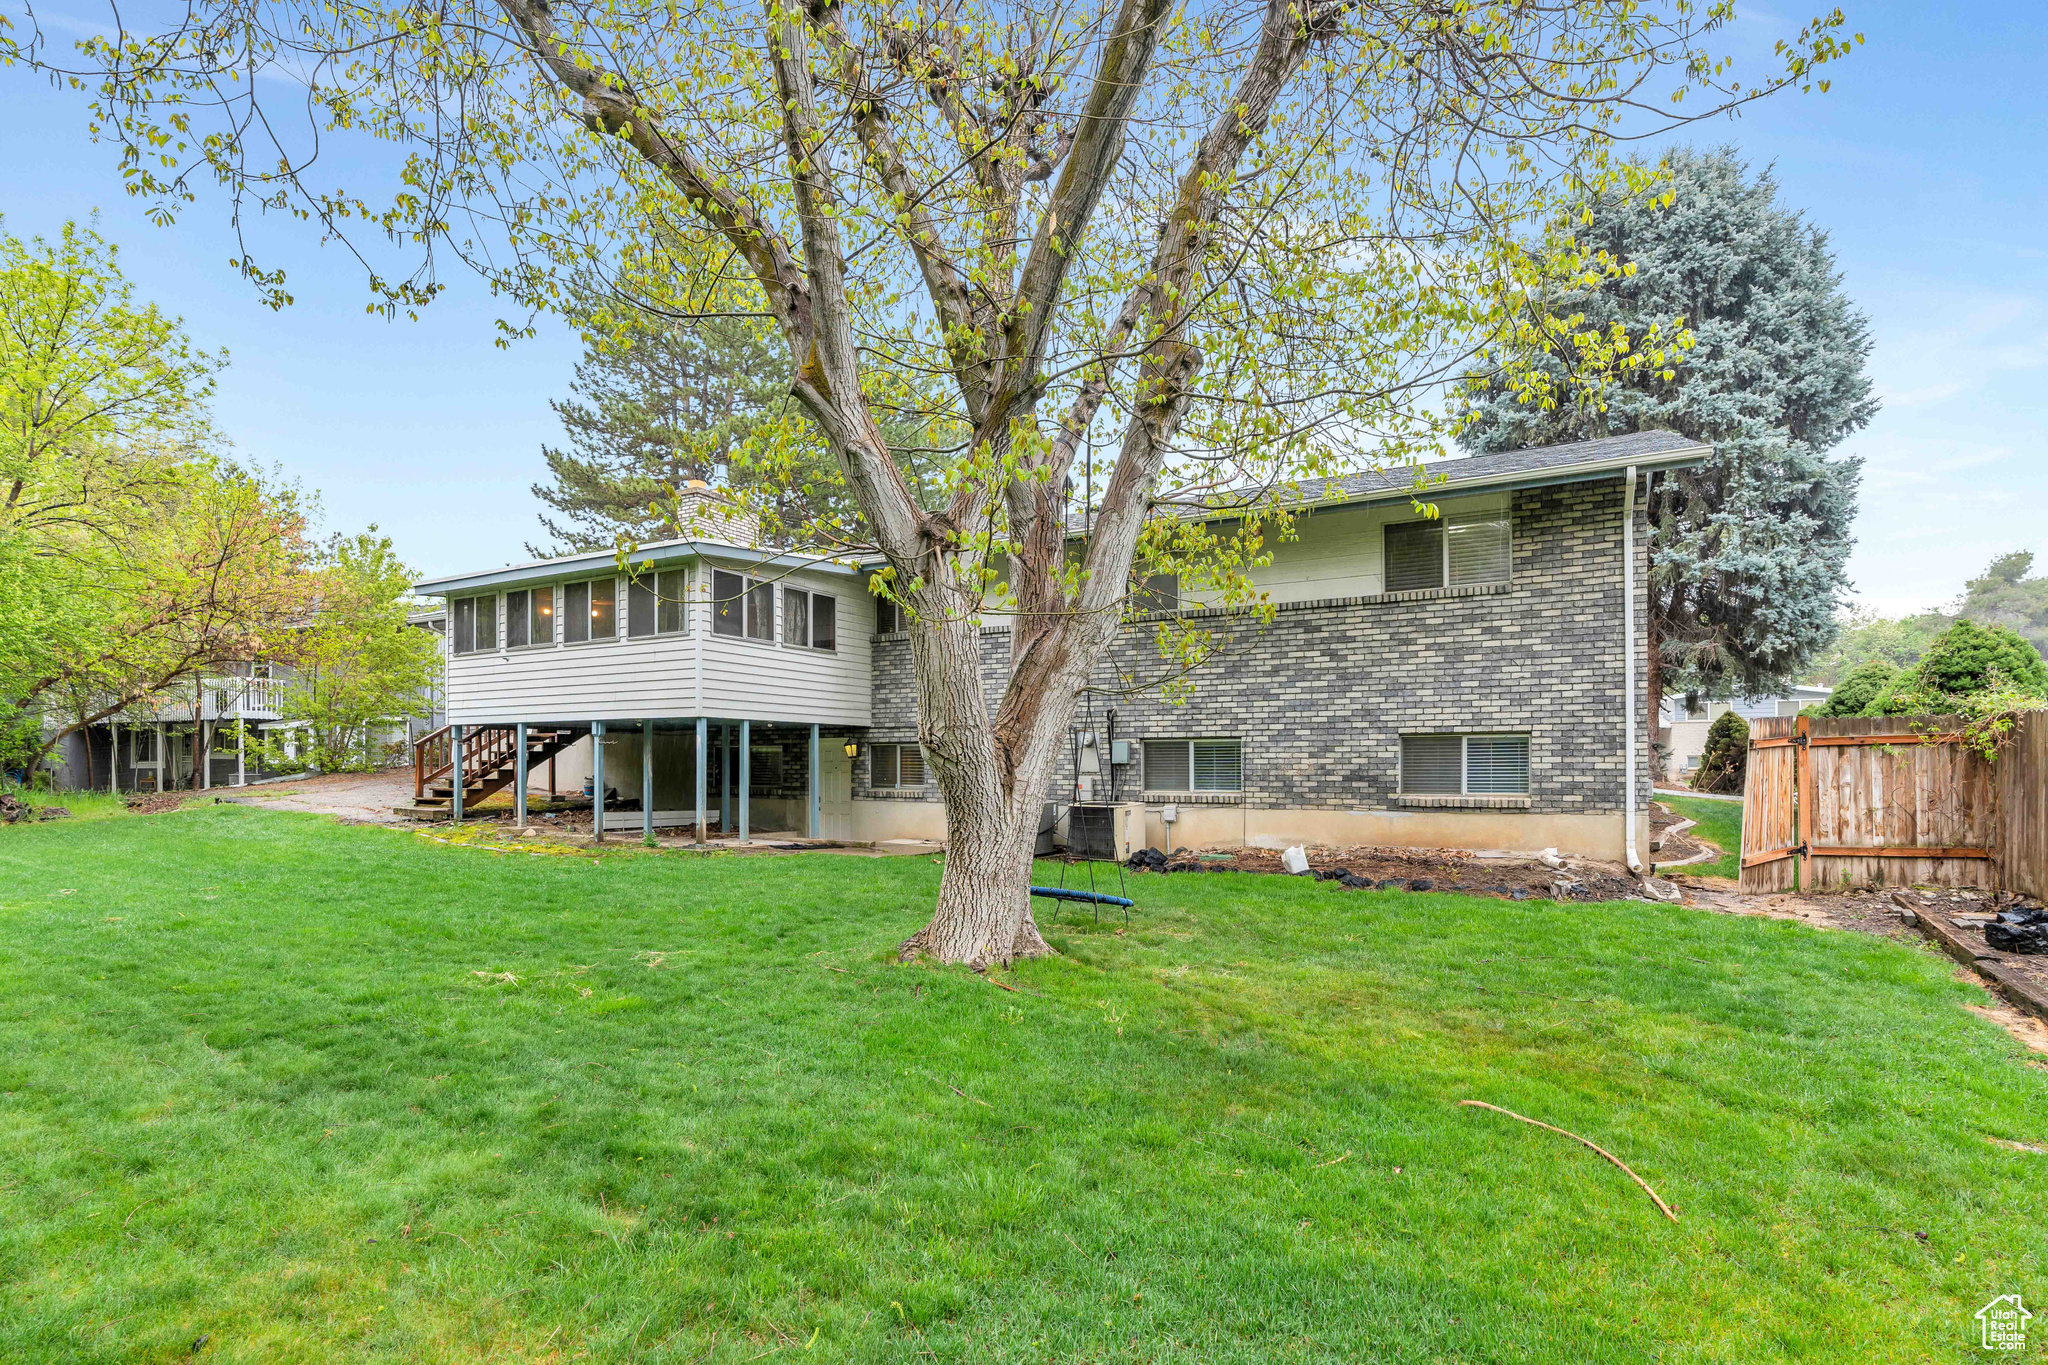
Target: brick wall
[(1321, 694)]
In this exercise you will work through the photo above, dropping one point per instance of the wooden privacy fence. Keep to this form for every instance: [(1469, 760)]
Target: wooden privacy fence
[(1892, 801)]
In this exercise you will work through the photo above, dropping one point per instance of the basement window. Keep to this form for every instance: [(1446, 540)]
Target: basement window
[(1464, 765), (1194, 765), (1457, 553), (895, 766)]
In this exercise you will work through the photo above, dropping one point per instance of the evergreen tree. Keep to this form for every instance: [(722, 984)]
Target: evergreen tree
[(1748, 552), (656, 402), (1863, 685), (2004, 595)]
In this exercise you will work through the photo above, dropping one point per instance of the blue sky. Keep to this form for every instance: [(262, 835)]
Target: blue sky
[(1924, 164)]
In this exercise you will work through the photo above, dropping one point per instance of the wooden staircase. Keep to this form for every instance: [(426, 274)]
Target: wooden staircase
[(490, 762)]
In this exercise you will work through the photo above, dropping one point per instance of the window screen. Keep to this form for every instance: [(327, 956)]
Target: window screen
[(796, 617), (669, 619), (516, 617), (540, 617), (1158, 592), (1415, 556), (576, 612), (725, 602), (1166, 766), (604, 604), (486, 623), (824, 621), (1478, 551), (465, 625), (760, 611), (1433, 765), (888, 617), (640, 606)]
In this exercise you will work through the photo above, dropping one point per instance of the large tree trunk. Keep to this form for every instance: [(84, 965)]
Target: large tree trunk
[(993, 773)]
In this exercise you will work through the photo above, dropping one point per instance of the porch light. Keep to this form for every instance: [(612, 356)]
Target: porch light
[(852, 749)]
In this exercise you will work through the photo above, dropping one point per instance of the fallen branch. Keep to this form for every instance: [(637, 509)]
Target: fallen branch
[(1333, 1161), (1482, 1104), (1018, 990)]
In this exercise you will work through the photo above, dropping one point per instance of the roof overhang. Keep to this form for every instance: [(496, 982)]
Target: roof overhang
[(1506, 481), (646, 556)]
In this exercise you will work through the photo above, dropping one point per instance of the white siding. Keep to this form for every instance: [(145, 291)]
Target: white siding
[(657, 676), (1337, 552), (768, 680)]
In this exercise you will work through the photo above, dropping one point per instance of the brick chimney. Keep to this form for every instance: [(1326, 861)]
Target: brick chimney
[(706, 513)]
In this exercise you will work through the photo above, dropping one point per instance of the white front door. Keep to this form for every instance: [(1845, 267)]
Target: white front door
[(835, 793)]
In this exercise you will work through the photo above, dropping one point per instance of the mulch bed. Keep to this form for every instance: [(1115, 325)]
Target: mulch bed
[(1419, 869)]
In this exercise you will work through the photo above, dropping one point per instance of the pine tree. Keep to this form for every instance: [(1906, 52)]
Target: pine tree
[(1748, 552), (2005, 595), (657, 402)]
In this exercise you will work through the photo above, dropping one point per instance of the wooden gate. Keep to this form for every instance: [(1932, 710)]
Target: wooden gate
[(1855, 801)]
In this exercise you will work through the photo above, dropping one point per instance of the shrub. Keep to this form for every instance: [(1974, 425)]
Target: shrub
[(1859, 688), (1726, 756), (1966, 661), (1971, 658)]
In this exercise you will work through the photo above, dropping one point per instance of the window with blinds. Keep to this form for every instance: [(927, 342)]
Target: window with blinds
[(1194, 765), (1458, 553), (888, 617), (1476, 551), (895, 765), (1464, 765)]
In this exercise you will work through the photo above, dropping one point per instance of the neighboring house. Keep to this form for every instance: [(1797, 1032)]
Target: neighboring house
[(154, 744), (1683, 731), (1464, 682)]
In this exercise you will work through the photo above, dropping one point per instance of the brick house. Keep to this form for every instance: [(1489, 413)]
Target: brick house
[(1473, 680)]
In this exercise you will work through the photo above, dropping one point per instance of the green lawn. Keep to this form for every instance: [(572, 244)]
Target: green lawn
[(323, 1093), (1720, 824)]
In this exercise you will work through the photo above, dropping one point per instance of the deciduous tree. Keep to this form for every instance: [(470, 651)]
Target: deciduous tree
[(356, 661), (1229, 246)]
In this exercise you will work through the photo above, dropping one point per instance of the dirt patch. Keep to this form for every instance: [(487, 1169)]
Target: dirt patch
[(1418, 869), (1675, 847), (156, 803)]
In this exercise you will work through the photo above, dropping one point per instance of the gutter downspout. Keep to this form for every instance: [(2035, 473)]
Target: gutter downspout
[(1628, 668)]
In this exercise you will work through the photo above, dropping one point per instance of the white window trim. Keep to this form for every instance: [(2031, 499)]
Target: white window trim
[(1464, 739), (554, 619), (562, 614), (1191, 741), (1444, 525), (899, 785)]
